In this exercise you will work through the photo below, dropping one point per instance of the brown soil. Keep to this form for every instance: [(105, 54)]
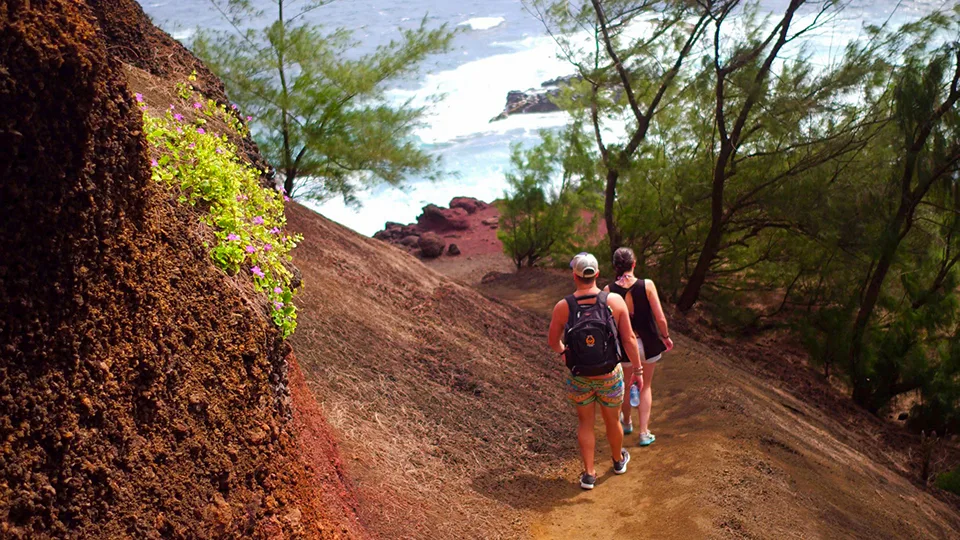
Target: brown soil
[(142, 392), (741, 454), (443, 400)]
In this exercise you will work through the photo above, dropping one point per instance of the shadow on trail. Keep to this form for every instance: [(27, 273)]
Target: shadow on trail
[(526, 491)]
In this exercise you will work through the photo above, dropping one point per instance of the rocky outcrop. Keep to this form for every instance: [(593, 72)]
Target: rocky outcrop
[(541, 100), (142, 392), (439, 219), (462, 219)]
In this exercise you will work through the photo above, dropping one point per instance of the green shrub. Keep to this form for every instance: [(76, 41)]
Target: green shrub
[(949, 481), (205, 171)]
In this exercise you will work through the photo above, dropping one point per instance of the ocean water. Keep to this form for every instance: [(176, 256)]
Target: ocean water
[(501, 47)]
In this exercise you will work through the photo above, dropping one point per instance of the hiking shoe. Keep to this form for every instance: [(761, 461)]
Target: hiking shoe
[(620, 467), (646, 439), (587, 481), (627, 426)]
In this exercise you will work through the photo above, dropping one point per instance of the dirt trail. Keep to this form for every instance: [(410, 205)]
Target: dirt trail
[(735, 456)]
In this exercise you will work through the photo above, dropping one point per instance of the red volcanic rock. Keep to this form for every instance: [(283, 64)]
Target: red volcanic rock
[(469, 223), (431, 246), (438, 219), (469, 204)]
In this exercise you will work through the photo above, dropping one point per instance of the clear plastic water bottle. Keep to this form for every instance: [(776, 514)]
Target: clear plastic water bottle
[(634, 395)]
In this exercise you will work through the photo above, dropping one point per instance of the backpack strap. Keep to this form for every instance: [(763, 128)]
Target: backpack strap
[(601, 298), (573, 308)]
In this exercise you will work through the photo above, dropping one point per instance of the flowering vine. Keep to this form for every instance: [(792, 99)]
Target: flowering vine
[(204, 169)]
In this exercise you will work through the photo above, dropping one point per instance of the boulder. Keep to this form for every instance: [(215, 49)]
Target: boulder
[(469, 204), (453, 250), (410, 241), (493, 222), (431, 246), (439, 219)]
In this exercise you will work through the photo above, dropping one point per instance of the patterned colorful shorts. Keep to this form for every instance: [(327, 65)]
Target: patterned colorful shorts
[(607, 389)]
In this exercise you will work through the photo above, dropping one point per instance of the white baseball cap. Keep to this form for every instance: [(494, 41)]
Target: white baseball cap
[(585, 265)]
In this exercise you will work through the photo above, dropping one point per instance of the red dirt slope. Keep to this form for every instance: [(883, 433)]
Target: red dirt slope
[(142, 392), (443, 400)]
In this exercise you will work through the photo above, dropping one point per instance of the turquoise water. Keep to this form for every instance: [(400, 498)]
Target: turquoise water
[(502, 47)]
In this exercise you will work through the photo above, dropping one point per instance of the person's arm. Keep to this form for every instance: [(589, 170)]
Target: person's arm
[(627, 338), (560, 314), (658, 315)]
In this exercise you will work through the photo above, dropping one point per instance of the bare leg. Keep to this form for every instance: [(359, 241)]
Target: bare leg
[(586, 415), (626, 409), (611, 419), (646, 396)]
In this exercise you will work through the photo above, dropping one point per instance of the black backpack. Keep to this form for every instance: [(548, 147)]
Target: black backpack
[(593, 344)]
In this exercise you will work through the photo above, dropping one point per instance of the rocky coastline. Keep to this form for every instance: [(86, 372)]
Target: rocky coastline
[(535, 100)]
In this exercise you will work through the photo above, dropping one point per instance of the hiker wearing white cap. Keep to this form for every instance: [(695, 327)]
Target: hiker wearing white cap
[(586, 328)]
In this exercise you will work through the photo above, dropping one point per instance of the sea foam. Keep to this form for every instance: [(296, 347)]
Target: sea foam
[(483, 23)]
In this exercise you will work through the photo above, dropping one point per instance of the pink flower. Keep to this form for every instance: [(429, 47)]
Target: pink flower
[(278, 306), (258, 220), (249, 118), (233, 106), (278, 290), (219, 150), (256, 271), (201, 131), (241, 197), (139, 97), (267, 247), (232, 237), (251, 249), (286, 198), (191, 146), (275, 230), (171, 106), (179, 130), (197, 105), (153, 163), (178, 117)]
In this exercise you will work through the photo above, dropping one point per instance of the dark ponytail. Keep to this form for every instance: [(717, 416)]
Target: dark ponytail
[(623, 260)]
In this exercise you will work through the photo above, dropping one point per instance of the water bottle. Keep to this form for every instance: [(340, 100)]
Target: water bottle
[(634, 395)]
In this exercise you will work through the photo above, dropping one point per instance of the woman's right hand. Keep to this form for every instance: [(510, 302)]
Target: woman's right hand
[(669, 343)]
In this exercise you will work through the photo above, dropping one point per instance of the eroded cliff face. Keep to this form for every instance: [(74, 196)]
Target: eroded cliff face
[(142, 392)]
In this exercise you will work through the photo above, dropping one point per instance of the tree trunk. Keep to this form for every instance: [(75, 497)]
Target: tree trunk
[(691, 293), (610, 195), (288, 184), (893, 236)]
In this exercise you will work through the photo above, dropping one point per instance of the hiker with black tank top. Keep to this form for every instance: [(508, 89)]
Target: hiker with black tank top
[(587, 330), (650, 325)]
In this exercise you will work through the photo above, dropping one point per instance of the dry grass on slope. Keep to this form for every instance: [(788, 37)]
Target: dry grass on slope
[(445, 401)]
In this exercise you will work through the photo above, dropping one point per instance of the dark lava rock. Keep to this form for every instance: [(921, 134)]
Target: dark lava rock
[(532, 101), (431, 246), (410, 241), (453, 250)]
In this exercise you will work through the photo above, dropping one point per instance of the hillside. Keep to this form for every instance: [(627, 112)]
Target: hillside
[(143, 392), (448, 405), (442, 399)]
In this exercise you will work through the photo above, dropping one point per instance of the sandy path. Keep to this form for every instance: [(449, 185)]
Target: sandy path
[(736, 456)]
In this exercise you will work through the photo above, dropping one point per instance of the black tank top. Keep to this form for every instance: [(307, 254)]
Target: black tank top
[(642, 317)]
